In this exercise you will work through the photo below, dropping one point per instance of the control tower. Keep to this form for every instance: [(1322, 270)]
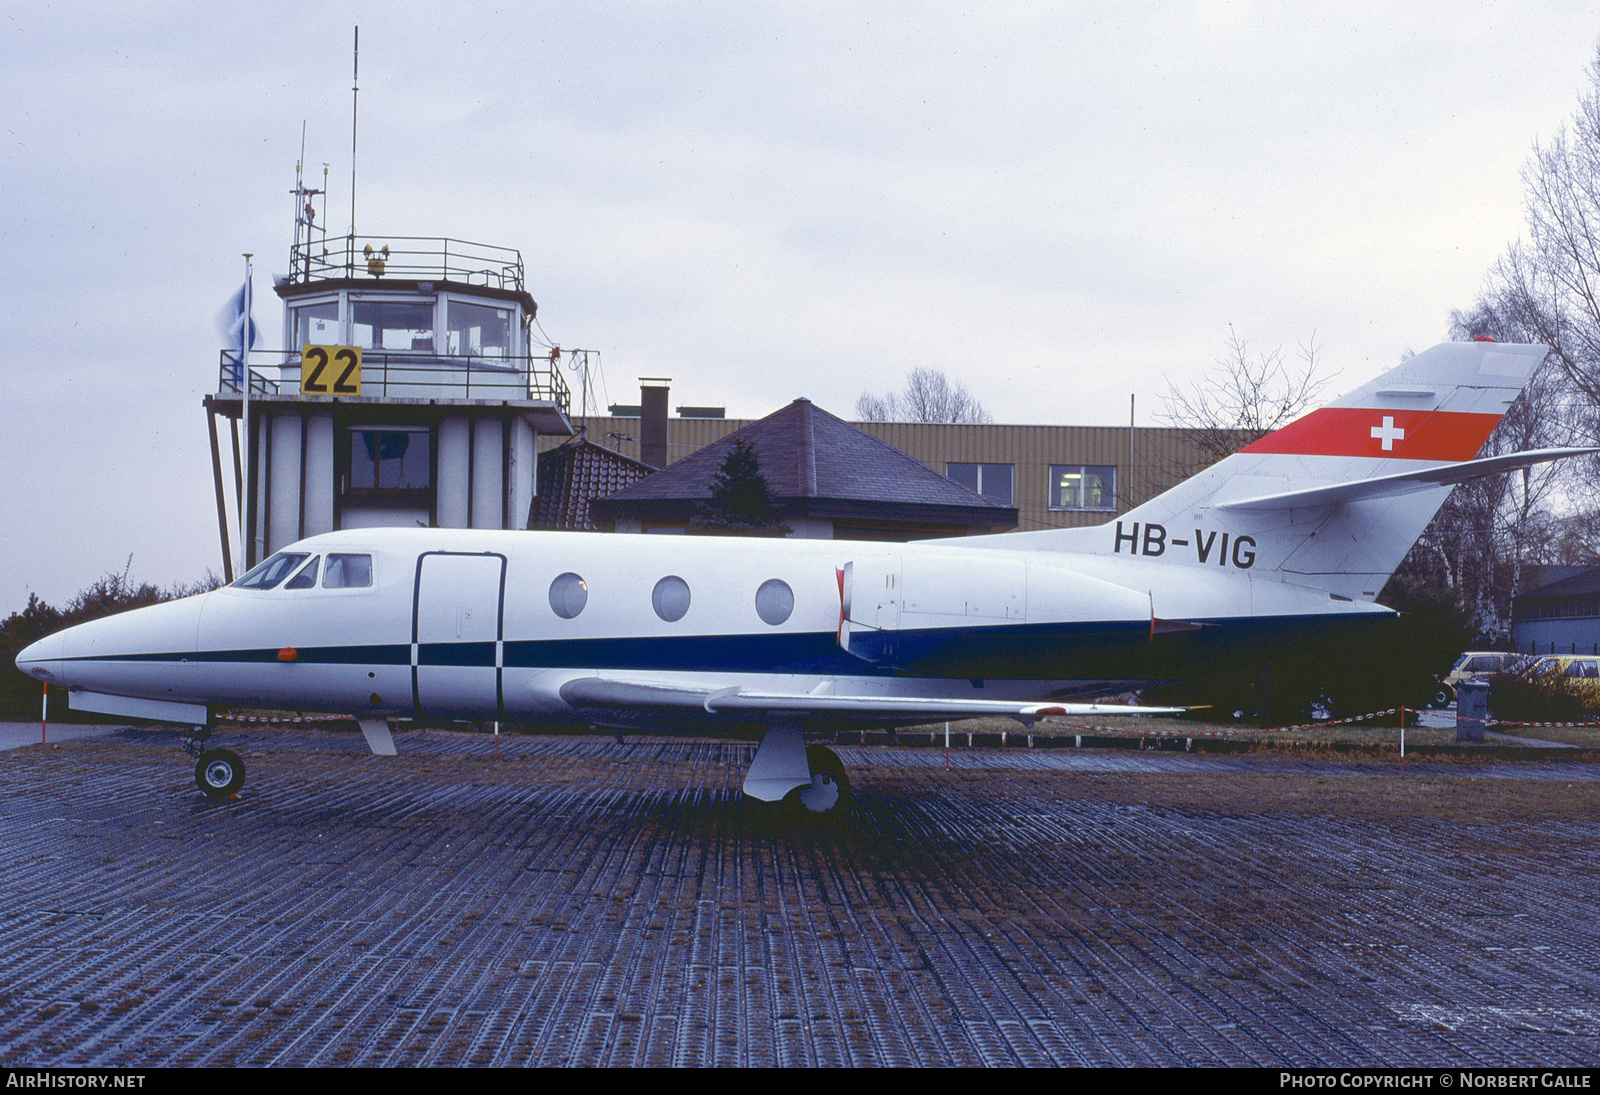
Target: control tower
[(408, 392)]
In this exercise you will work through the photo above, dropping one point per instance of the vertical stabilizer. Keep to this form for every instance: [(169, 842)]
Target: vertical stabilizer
[(1438, 408)]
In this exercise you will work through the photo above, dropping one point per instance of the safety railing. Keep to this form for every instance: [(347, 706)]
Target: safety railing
[(407, 258), (386, 375)]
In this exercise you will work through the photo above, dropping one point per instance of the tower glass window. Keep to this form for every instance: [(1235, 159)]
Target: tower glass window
[(1080, 486), (316, 325), (394, 325), (477, 330)]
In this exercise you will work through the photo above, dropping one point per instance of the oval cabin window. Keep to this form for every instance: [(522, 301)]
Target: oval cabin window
[(671, 598), (774, 601), (568, 594)]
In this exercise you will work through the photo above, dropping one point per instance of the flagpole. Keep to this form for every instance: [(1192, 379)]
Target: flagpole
[(244, 370)]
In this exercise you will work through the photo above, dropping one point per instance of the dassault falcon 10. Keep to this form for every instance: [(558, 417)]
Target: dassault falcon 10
[(1295, 533)]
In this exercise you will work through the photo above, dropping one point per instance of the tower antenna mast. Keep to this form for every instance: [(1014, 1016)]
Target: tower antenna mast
[(355, 95)]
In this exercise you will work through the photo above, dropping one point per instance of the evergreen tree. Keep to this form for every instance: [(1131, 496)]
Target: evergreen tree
[(742, 502)]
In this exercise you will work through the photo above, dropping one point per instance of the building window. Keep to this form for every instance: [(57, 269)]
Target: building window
[(392, 325), (993, 481), (392, 459), (316, 325), (1079, 486), (477, 331)]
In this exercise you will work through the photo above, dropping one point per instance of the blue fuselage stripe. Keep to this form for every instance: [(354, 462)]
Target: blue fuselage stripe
[(1024, 651)]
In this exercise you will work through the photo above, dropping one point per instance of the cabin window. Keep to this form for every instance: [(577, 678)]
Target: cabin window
[(395, 459), (774, 601), (268, 574), (316, 325), (393, 325), (307, 578), (670, 598), (568, 594), (348, 572), (477, 331), (993, 481), (1078, 486)]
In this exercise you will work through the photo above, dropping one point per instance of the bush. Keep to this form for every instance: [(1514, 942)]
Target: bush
[(1539, 692), (106, 596)]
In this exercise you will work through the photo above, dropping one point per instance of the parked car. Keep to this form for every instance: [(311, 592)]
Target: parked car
[(1470, 666), (1574, 668)]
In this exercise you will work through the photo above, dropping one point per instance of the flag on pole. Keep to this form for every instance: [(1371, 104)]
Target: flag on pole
[(238, 330)]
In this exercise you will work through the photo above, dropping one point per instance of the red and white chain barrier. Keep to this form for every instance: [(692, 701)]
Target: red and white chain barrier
[(1124, 730), (285, 718)]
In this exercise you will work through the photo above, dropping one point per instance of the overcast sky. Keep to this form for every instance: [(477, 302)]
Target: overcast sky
[(1056, 204)]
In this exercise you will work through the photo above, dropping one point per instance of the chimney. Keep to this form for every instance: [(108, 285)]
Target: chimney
[(653, 420)]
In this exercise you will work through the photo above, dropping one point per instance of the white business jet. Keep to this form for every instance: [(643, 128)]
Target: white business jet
[(1296, 533)]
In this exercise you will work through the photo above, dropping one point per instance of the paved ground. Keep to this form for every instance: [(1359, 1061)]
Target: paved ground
[(588, 903), (15, 735)]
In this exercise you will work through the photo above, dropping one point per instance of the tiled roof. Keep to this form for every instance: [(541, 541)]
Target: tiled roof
[(573, 475), (808, 454), (1576, 586)]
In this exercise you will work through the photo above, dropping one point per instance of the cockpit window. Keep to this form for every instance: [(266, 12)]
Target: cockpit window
[(274, 570), (307, 578), (348, 572)]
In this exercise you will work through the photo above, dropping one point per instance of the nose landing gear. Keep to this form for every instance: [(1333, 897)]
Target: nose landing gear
[(219, 773)]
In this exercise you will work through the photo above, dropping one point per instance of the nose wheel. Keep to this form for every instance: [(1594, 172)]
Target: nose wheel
[(219, 773)]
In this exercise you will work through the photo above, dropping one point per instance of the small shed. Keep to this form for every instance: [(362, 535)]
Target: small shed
[(832, 481)]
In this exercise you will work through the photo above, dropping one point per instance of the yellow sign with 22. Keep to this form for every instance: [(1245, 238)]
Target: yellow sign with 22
[(330, 370)]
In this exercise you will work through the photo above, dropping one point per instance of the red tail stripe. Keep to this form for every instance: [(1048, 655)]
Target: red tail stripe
[(1362, 431)]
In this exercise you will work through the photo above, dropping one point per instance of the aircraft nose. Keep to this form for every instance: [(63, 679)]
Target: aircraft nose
[(42, 660), (104, 655)]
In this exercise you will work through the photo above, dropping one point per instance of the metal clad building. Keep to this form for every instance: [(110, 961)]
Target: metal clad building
[(1056, 476)]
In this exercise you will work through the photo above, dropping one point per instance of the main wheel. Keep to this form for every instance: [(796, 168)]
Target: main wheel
[(219, 773), (828, 794)]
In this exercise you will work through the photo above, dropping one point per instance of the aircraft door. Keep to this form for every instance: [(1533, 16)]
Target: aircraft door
[(456, 641)]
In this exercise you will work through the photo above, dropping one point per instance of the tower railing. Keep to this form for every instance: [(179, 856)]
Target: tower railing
[(406, 258), (386, 375)]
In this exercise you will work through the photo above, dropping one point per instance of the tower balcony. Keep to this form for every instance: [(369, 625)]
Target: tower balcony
[(387, 376)]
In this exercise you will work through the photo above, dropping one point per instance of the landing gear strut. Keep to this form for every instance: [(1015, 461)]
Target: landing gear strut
[(219, 773), (809, 781)]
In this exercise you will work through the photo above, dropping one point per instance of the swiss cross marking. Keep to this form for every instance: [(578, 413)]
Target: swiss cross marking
[(1388, 433)]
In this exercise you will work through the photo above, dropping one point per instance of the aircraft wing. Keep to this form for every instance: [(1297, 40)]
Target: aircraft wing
[(642, 696), (1385, 486)]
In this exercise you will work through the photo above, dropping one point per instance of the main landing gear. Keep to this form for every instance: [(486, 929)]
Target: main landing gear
[(809, 781), (828, 793), (219, 773)]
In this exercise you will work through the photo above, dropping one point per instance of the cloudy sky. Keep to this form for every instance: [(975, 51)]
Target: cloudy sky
[(1057, 204)]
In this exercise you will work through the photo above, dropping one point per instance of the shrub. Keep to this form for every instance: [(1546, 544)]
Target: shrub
[(1541, 692)]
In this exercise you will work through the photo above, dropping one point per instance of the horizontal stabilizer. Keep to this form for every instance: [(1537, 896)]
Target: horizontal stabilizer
[(1386, 486), (596, 692)]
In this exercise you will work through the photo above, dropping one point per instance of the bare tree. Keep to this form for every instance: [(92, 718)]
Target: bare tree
[(1245, 397), (1490, 530), (1546, 285), (929, 396)]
